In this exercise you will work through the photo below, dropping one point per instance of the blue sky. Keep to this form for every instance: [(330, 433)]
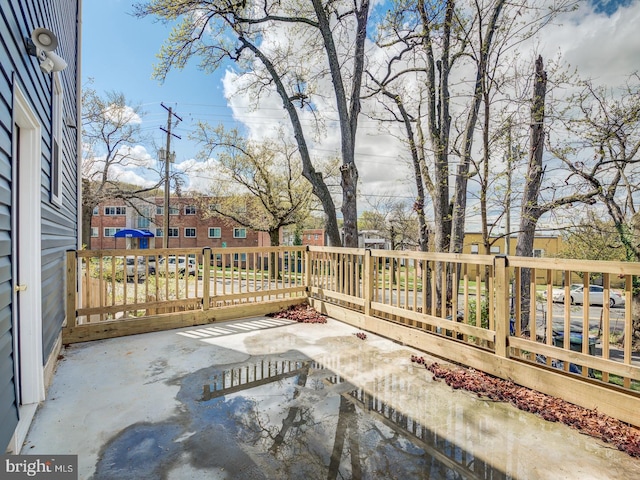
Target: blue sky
[(119, 52)]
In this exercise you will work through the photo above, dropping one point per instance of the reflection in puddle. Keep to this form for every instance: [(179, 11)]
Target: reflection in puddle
[(300, 420), (353, 410)]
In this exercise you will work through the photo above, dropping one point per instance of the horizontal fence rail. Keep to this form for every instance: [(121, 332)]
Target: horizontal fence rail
[(564, 327), (119, 292), (505, 316)]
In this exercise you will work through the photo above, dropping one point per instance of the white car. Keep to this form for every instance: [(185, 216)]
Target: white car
[(135, 266), (596, 295), (179, 265)]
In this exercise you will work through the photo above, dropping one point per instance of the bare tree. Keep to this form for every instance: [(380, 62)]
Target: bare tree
[(221, 31), (605, 155), (111, 129), (447, 65), (533, 207), (426, 41), (260, 186)]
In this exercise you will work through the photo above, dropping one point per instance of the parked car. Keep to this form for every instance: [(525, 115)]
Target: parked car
[(179, 265), (150, 261), (135, 265), (596, 295)]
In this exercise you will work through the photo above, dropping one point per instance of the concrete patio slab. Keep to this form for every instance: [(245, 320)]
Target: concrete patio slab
[(271, 399)]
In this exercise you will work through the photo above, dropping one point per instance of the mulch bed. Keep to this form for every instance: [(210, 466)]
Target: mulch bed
[(301, 314), (626, 438)]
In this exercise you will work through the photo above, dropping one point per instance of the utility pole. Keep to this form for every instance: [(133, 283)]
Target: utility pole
[(167, 161)]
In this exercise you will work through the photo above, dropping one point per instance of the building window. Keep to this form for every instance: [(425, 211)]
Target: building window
[(111, 231), (213, 207), (538, 252), (96, 210), (215, 232), (159, 233), (239, 233), (240, 256), (172, 210), (190, 210), (173, 232), (94, 232), (494, 250), (474, 248), (190, 232), (316, 236), (56, 140), (115, 210)]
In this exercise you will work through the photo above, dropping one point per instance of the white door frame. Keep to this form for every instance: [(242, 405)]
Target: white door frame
[(26, 264)]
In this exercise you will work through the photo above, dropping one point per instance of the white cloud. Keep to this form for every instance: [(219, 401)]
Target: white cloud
[(200, 174), (605, 48), (378, 151), (122, 115), (134, 178), (138, 156)]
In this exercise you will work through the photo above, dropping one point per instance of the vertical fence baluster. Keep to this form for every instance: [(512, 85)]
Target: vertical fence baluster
[(502, 305)]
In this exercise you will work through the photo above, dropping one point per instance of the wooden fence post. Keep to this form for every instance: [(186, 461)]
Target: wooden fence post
[(368, 281), (307, 271), (206, 277), (72, 287), (501, 285)]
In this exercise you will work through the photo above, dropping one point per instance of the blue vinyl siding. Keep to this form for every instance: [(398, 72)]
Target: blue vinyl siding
[(59, 227)]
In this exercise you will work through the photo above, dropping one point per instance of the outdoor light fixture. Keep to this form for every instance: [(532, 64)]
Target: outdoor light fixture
[(41, 45)]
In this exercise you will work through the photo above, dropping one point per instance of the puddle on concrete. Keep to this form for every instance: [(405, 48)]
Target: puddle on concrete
[(359, 412), (301, 420)]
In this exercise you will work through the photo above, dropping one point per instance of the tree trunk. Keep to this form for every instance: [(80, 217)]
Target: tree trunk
[(531, 212), (274, 237), (438, 127), (635, 292), (320, 189), (87, 215), (348, 111), (291, 421), (459, 210), (274, 240), (349, 204), (418, 206)]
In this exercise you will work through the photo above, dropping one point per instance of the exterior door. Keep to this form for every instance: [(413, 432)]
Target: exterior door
[(26, 262)]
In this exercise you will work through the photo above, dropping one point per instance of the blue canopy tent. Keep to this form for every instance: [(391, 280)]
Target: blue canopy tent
[(141, 236)]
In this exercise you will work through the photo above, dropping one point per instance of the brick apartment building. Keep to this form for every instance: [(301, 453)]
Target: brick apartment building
[(310, 236), (315, 237), (189, 226)]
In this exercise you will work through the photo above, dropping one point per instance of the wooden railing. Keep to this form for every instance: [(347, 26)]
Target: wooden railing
[(496, 314), (121, 292)]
